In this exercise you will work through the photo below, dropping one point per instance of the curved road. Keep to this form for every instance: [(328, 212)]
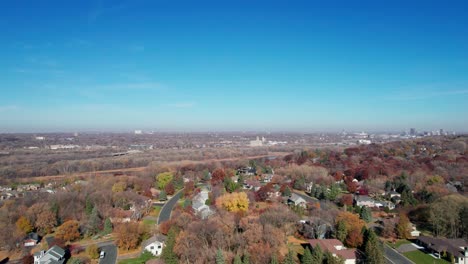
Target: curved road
[(111, 253), (165, 213)]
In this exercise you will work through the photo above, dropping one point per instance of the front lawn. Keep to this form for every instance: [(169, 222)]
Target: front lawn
[(140, 260), (156, 210), (398, 243), (420, 257), (149, 222)]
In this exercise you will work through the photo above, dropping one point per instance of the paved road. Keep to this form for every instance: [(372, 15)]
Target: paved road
[(111, 253), (393, 257), (165, 213)]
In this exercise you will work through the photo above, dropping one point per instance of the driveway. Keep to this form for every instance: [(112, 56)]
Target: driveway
[(165, 213), (111, 253), (393, 257)]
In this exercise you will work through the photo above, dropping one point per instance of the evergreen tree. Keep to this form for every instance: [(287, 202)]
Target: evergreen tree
[(366, 214), (274, 259), (168, 254), (330, 259), (162, 196), (373, 248), (317, 255), (341, 231), (237, 260), (287, 192), (307, 257), (89, 206), (94, 222), (246, 258), (289, 257), (107, 226), (219, 257)]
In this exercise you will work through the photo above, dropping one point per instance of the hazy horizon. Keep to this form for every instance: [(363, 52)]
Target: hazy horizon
[(227, 66)]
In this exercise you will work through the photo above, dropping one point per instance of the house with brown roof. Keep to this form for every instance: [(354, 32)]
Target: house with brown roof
[(457, 248), (335, 247)]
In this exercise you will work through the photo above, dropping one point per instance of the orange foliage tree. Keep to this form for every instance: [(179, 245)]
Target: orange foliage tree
[(68, 231), (353, 227), (24, 225)]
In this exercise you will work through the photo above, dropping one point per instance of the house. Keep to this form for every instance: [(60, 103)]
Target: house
[(393, 194), (154, 244), (456, 248), (199, 205), (364, 200), (31, 240), (335, 247), (247, 171), (297, 200), (55, 255), (414, 232)]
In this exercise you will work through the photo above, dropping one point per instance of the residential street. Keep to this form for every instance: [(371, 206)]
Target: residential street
[(393, 257), (111, 253), (165, 213)]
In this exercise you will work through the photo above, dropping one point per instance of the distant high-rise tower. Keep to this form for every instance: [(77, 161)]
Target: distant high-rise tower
[(138, 132), (413, 131), (441, 131)]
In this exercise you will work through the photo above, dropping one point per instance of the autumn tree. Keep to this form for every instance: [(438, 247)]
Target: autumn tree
[(353, 226), (403, 227), (68, 231), (217, 177), (233, 202), (92, 251), (163, 179), (46, 221), (189, 187), (169, 188), (127, 236), (24, 225)]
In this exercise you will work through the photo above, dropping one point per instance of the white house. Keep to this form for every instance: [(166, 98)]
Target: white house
[(364, 200), (297, 200), (155, 244), (199, 206)]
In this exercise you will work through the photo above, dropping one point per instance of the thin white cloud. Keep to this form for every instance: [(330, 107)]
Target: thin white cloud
[(132, 86), (423, 92), (100, 10)]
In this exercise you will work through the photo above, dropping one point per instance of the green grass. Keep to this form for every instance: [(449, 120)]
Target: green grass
[(156, 210), (399, 243), (140, 260), (149, 222), (420, 257)]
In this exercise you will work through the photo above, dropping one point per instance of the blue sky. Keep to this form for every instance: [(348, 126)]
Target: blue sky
[(233, 65)]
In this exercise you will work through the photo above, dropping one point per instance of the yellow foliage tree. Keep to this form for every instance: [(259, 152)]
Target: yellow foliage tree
[(233, 202), (24, 225)]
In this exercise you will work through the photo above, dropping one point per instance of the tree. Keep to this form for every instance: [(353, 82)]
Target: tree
[(168, 254), (347, 200), (246, 258), (403, 227), (92, 251), (354, 238), (353, 226), (233, 202), (162, 196), (330, 259), (218, 176), (94, 222), (127, 236), (68, 231), (189, 187), (28, 259), (317, 255), (289, 259), (89, 206), (237, 260), (119, 187), (373, 248), (230, 185), (274, 259), (46, 221), (307, 257), (341, 231), (24, 225), (107, 226), (219, 257), (163, 179), (287, 192), (169, 188), (366, 214)]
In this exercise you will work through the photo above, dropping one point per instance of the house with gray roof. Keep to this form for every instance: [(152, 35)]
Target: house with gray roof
[(55, 255)]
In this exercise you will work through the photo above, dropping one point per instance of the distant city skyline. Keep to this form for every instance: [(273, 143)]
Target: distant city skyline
[(200, 66)]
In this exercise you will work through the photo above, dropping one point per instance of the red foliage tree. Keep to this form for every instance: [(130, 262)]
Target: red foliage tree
[(346, 199), (217, 177), (170, 190)]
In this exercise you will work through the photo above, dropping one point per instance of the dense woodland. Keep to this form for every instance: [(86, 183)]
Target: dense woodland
[(255, 226)]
